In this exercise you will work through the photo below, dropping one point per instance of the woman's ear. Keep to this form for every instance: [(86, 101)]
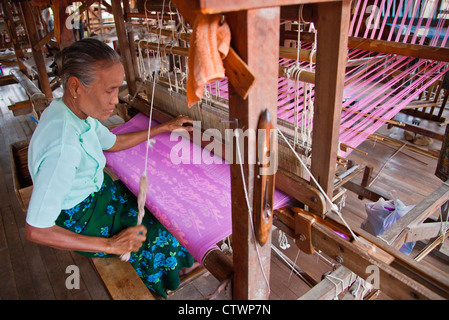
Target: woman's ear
[(73, 86)]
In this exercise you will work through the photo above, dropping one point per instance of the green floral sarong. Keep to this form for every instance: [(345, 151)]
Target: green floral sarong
[(114, 208)]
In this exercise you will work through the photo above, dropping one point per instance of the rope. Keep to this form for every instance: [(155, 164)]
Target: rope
[(143, 183), (340, 281)]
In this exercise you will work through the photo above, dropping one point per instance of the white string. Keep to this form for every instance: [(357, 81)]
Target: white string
[(333, 206), (149, 142), (444, 226), (140, 62), (319, 255), (283, 240), (330, 277), (249, 209)]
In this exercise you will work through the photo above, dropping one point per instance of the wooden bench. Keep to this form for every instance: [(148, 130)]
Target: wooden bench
[(120, 279)]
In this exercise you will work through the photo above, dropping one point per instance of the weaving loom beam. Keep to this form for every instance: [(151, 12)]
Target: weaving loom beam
[(284, 52), (401, 277), (289, 53), (218, 6), (329, 84), (32, 91), (384, 46), (255, 38)]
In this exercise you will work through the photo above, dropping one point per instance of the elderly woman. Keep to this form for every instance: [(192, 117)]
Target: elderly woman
[(75, 205)]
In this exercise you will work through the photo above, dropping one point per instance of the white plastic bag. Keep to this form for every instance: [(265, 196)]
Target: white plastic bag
[(382, 214)]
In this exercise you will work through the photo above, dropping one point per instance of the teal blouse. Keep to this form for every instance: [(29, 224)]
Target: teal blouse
[(66, 162)]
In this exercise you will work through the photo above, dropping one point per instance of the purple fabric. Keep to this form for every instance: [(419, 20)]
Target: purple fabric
[(193, 201)]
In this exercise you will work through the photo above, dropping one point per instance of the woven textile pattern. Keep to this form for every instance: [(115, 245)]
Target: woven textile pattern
[(193, 201)]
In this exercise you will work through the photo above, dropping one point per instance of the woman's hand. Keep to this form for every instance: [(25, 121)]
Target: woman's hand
[(131, 139), (128, 240), (180, 122)]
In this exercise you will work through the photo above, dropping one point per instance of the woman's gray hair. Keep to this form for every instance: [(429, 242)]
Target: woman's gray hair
[(82, 59)]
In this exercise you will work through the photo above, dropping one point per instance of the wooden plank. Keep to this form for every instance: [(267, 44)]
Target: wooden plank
[(332, 26), (121, 280), (399, 48), (219, 6), (56, 275), (8, 287), (218, 264), (384, 46), (255, 39), (22, 274), (124, 45), (90, 277), (301, 190), (331, 286), (365, 192), (425, 231), (6, 80)]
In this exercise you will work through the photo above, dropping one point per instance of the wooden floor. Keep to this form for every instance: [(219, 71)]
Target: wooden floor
[(30, 271)]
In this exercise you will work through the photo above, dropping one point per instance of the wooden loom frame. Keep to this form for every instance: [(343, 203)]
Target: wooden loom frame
[(401, 276), (250, 281)]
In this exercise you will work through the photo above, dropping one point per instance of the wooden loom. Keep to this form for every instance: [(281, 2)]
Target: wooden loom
[(298, 222), (401, 277)]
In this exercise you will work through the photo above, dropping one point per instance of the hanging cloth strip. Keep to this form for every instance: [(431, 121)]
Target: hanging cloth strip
[(209, 44)]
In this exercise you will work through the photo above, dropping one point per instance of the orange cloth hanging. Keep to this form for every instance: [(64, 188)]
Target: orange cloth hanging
[(209, 45)]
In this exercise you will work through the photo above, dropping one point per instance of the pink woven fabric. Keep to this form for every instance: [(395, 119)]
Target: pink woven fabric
[(193, 201)]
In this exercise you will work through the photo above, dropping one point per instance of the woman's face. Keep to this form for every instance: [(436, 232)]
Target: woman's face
[(99, 99)]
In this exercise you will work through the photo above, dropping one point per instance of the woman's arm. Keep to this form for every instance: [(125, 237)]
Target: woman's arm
[(129, 240), (131, 139)]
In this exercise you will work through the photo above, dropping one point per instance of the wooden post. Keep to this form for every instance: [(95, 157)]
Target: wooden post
[(11, 29), (33, 37), (255, 37), (332, 26), (63, 35), (124, 47), (132, 48)]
